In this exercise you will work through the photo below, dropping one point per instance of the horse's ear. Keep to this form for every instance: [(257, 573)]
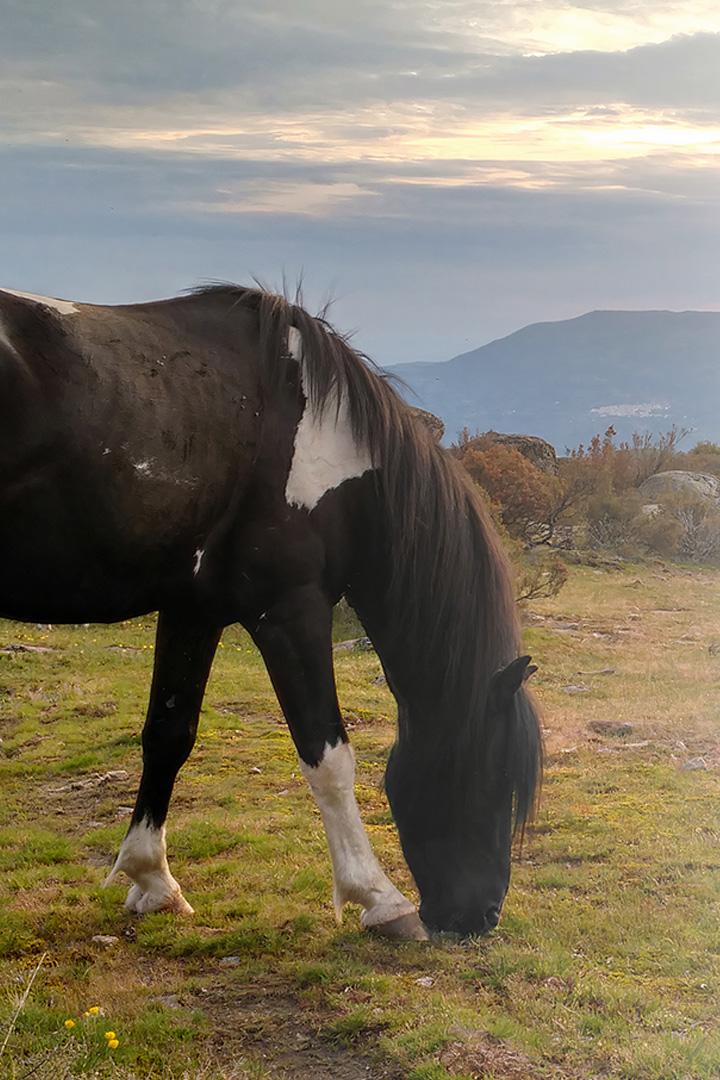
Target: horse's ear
[(506, 682)]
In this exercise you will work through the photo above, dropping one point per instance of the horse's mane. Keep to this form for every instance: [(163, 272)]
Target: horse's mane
[(451, 585)]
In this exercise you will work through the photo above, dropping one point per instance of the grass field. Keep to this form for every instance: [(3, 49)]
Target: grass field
[(606, 962)]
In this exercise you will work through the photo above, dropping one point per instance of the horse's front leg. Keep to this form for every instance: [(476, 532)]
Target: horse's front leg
[(184, 651), (294, 636)]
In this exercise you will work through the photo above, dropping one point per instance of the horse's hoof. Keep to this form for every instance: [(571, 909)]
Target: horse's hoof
[(404, 928), (175, 904), (180, 906), (133, 898)]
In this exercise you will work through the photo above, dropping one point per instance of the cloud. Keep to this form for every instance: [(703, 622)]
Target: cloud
[(456, 167), (424, 271), (203, 58)]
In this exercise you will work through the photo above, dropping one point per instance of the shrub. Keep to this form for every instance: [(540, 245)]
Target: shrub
[(593, 499), (660, 531), (614, 522), (682, 525), (539, 573), (698, 522), (610, 467), (526, 496), (704, 458)]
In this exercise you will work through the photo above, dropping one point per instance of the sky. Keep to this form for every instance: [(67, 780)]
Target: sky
[(447, 170)]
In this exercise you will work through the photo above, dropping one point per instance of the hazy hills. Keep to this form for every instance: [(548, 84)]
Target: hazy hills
[(565, 381)]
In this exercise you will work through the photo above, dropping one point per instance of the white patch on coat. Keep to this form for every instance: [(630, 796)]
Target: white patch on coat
[(143, 857), (142, 467), (325, 452), (358, 877), (64, 307), (198, 558)]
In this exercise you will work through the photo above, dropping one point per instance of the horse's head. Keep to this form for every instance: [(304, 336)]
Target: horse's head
[(454, 806)]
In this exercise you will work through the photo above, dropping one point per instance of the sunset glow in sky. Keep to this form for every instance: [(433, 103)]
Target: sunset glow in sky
[(450, 170)]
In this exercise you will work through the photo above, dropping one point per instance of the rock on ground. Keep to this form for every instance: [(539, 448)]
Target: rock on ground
[(677, 482)]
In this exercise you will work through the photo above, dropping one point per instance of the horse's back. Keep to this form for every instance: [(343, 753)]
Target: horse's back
[(125, 433)]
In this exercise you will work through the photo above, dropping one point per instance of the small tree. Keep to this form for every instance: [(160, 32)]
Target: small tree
[(520, 498), (526, 496)]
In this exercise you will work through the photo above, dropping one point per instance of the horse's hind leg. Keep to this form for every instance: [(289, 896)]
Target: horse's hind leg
[(184, 651), (294, 636)]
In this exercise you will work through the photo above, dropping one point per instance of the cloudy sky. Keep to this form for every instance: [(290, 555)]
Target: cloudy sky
[(449, 170)]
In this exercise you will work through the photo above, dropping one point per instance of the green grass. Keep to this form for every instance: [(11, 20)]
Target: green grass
[(606, 962)]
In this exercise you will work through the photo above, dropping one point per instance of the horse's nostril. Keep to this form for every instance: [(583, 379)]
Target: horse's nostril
[(492, 917)]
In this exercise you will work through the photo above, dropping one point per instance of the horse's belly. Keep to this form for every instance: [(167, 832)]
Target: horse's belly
[(44, 581), (104, 600), (97, 553)]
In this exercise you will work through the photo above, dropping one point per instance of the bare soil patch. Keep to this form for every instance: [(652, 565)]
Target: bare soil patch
[(262, 1019), (481, 1055)]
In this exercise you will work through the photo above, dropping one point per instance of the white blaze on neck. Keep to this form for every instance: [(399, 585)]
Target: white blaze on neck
[(357, 875), (63, 307), (143, 857), (325, 452)]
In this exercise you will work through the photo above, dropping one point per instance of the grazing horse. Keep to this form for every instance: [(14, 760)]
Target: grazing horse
[(224, 457)]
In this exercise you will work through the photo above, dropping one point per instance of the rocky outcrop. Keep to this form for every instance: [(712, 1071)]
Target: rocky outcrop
[(536, 450), (431, 421), (676, 482)]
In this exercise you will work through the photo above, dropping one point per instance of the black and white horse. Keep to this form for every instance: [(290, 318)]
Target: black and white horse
[(225, 457)]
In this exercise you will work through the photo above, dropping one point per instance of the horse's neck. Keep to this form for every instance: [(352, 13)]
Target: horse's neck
[(385, 622)]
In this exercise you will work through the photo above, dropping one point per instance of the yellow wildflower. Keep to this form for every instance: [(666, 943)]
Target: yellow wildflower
[(113, 1044), (69, 1024), (110, 1035), (93, 1010)]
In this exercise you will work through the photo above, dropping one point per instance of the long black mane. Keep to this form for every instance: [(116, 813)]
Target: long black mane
[(451, 587)]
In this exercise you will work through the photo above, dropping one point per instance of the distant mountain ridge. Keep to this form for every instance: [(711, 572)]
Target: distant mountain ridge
[(567, 380)]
